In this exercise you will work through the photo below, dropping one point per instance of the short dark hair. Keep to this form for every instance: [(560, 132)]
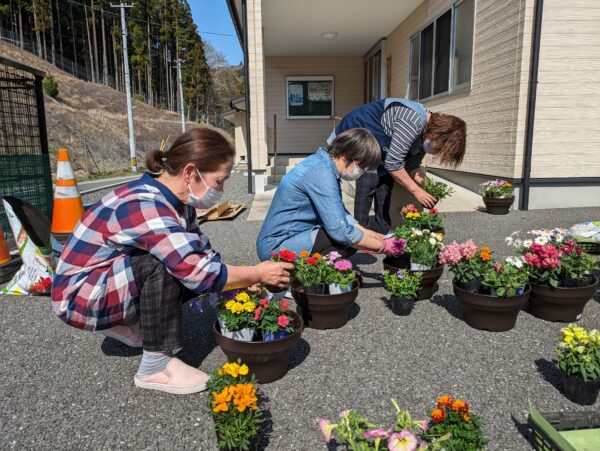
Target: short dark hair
[(358, 145)]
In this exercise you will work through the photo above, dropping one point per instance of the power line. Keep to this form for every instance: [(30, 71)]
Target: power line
[(152, 23)]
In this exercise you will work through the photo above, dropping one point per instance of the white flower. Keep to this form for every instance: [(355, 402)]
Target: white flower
[(517, 262), (432, 241), (558, 238), (546, 233), (527, 243), (518, 243), (441, 246), (418, 233), (426, 231), (541, 240), (509, 240), (535, 232)]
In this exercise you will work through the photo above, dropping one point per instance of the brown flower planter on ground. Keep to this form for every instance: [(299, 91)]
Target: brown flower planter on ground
[(498, 206), (268, 360), (324, 311), (492, 313), (430, 278), (563, 304), (393, 264)]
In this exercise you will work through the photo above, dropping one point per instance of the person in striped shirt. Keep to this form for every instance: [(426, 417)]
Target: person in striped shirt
[(405, 131), (138, 254)]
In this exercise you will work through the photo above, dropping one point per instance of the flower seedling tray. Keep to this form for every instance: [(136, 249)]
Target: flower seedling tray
[(589, 247), (564, 431)]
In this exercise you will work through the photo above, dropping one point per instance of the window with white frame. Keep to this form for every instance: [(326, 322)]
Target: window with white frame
[(441, 53), (309, 97)]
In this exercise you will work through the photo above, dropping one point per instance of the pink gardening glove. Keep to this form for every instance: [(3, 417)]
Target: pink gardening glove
[(392, 246)]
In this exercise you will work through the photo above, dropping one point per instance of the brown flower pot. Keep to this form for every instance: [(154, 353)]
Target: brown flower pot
[(430, 277), (584, 393), (498, 206), (268, 360), (563, 304), (492, 313), (324, 311), (393, 264)]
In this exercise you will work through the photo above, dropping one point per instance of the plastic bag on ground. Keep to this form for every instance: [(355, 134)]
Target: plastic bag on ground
[(31, 229)]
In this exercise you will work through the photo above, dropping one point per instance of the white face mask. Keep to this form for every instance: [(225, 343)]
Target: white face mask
[(428, 146), (356, 173), (210, 197)]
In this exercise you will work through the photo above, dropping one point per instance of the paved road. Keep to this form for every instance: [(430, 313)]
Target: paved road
[(63, 388), (95, 185)]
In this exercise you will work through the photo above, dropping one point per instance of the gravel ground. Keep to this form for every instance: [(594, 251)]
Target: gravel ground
[(68, 389)]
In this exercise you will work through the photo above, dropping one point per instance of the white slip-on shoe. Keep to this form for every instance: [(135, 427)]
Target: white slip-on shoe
[(177, 378)]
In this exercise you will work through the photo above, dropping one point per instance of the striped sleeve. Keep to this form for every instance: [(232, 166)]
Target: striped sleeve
[(404, 126)]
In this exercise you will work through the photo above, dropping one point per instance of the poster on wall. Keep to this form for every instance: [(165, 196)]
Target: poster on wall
[(310, 97), (319, 91), (296, 94)]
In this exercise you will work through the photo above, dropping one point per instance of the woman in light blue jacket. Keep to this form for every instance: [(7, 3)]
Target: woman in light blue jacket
[(307, 212)]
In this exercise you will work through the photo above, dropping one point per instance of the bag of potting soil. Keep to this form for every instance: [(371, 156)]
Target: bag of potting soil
[(31, 229), (585, 232)]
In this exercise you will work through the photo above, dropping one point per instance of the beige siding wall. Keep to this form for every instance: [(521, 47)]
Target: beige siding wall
[(257, 85), (567, 118), (491, 107), (306, 135)]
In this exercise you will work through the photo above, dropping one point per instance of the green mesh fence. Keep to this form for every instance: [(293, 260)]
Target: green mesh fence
[(24, 161)]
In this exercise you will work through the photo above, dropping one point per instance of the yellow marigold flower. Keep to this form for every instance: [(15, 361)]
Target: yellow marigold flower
[(304, 254), (507, 185), (568, 339), (466, 417), (243, 370), (249, 307), (242, 297)]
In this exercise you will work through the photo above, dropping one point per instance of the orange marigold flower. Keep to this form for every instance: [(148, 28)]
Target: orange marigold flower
[(485, 256), (317, 256), (485, 249), (444, 401), (438, 415), (460, 406), (245, 397), (221, 400), (304, 254)]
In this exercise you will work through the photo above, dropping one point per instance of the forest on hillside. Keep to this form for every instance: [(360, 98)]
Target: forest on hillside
[(83, 37)]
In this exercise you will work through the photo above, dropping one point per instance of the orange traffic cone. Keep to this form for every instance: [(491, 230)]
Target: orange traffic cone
[(68, 207), (4, 253)]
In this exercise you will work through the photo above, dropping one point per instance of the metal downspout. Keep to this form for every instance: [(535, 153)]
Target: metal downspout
[(533, 82), (247, 94)]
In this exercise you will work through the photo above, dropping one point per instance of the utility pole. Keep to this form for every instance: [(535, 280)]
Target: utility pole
[(127, 86), (181, 103)]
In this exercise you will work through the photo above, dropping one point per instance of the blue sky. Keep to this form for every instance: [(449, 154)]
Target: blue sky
[(213, 16)]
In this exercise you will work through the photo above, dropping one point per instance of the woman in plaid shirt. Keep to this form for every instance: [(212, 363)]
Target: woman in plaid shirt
[(138, 254)]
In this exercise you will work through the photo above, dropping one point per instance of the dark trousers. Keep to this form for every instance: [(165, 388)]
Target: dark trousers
[(324, 245), (159, 303), (369, 186)]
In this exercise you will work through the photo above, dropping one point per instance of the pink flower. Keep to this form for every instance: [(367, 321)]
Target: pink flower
[(433, 211), (283, 321), (403, 441), (284, 305), (399, 245), (377, 433), (344, 413), (343, 265), (327, 428), (257, 313), (264, 302), (424, 425), (498, 267), (451, 254), (468, 250), (333, 256)]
